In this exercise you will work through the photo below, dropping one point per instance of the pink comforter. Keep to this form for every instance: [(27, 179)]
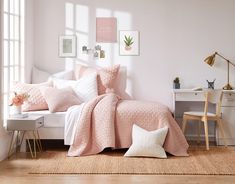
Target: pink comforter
[(107, 121)]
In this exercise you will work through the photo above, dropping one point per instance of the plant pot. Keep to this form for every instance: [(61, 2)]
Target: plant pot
[(127, 48), (176, 85)]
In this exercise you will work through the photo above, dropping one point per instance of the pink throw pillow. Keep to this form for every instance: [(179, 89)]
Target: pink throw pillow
[(59, 100), (106, 77), (36, 101)]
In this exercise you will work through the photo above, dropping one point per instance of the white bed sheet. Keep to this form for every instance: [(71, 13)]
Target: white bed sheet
[(72, 116)]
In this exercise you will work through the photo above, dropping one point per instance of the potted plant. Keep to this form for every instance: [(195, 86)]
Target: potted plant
[(176, 83), (17, 102), (128, 42)]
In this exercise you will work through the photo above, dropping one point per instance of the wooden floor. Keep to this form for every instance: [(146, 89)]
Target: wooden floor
[(16, 169)]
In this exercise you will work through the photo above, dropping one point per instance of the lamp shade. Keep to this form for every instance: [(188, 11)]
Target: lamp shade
[(210, 60)]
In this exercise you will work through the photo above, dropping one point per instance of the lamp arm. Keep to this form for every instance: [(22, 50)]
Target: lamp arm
[(224, 58)]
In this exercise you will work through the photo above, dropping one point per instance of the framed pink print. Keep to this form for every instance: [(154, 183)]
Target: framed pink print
[(106, 29)]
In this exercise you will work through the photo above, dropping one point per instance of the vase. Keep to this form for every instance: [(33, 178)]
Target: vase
[(16, 110)]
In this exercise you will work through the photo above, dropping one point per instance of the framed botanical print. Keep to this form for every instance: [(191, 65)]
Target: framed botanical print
[(68, 46), (129, 43)]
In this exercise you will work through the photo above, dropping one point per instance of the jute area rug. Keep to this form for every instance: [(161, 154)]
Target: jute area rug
[(217, 161)]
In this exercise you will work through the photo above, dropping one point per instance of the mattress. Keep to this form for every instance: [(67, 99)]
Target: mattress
[(51, 120)]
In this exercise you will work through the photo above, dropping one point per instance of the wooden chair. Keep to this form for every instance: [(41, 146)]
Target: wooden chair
[(214, 97)]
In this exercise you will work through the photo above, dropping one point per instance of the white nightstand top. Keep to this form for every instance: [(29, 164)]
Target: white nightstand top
[(32, 122)]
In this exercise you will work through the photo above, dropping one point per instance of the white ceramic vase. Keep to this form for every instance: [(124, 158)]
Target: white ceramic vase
[(16, 110)]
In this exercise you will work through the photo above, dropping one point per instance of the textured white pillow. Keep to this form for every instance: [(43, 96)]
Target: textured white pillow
[(39, 76), (147, 143), (85, 88), (67, 75)]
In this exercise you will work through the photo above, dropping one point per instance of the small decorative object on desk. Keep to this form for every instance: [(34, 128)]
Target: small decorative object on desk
[(17, 102), (176, 83), (211, 84)]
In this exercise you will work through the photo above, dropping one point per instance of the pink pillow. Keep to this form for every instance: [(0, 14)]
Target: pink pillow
[(106, 77), (59, 100), (36, 101)]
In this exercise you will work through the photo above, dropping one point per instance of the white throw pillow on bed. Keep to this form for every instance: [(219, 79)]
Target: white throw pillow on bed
[(85, 88), (147, 143)]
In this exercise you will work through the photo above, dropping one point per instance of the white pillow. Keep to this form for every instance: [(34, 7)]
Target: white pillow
[(147, 143), (67, 75), (85, 88), (39, 76)]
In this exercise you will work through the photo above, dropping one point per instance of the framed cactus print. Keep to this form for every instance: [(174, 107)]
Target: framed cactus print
[(129, 43)]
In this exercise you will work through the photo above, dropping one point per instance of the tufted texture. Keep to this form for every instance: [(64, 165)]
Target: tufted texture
[(106, 77), (36, 100), (59, 100), (107, 121)]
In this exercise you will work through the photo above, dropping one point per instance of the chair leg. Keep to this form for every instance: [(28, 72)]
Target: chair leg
[(222, 131), (199, 132), (184, 124), (206, 134)]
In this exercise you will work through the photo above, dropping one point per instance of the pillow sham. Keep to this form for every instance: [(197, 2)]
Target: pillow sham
[(85, 88), (147, 143), (36, 101), (59, 100), (106, 77), (67, 75)]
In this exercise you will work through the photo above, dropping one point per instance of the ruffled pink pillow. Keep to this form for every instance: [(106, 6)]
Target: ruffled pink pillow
[(106, 77), (36, 101), (59, 100)]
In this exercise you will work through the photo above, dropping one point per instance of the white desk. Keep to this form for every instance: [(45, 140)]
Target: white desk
[(189, 100)]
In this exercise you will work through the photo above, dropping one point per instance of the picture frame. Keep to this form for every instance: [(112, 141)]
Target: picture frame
[(129, 44), (106, 30), (68, 46)]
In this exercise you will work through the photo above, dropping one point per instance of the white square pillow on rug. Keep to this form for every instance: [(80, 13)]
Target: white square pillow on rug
[(147, 143), (85, 88)]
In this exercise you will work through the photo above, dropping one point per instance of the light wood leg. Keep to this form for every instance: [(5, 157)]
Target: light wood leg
[(184, 124), (39, 140), (30, 149), (199, 132), (206, 134), (222, 131)]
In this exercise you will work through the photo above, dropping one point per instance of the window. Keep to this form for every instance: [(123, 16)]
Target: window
[(13, 47)]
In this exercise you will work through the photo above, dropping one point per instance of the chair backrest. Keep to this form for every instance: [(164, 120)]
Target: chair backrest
[(214, 97)]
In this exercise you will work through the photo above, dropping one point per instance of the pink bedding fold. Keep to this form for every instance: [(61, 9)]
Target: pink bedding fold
[(107, 121)]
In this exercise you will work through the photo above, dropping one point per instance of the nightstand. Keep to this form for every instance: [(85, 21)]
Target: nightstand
[(25, 128)]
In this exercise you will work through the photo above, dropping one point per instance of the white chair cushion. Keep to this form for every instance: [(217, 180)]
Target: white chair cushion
[(147, 143), (195, 113)]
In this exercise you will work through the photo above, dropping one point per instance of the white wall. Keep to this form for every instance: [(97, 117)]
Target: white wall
[(175, 37), (3, 136), (29, 38)]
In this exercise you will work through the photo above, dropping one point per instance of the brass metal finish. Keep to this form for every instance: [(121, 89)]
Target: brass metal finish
[(210, 60)]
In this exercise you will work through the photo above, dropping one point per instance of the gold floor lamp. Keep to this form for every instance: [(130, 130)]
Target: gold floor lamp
[(210, 60)]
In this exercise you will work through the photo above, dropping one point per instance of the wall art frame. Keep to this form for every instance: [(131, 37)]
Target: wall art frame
[(68, 46), (129, 43)]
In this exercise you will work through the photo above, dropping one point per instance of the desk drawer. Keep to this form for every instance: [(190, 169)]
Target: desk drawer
[(228, 99), (192, 96)]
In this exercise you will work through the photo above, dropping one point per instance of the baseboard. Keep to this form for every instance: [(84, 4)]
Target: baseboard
[(191, 137)]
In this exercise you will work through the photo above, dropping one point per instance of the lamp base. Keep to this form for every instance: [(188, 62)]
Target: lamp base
[(228, 87)]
